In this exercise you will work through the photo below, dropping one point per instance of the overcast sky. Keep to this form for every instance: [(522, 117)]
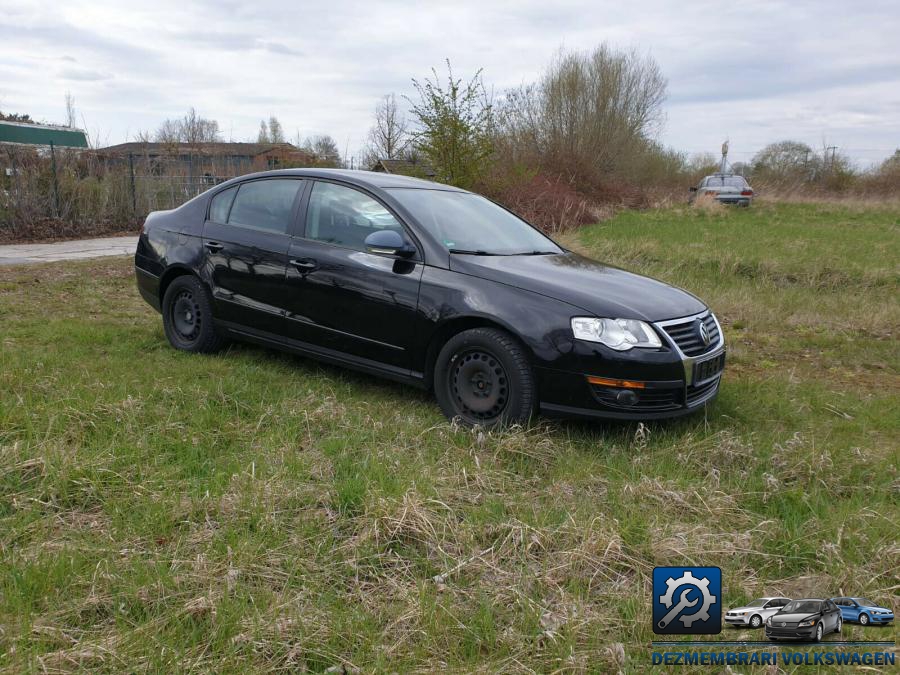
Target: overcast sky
[(821, 72)]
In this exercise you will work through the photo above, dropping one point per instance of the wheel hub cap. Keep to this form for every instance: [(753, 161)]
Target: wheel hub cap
[(479, 384)]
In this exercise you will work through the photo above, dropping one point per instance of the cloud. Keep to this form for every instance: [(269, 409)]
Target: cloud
[(756, 72)]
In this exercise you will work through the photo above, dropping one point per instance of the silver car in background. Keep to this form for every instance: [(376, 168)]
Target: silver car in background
[(726, 188), (755, 613)]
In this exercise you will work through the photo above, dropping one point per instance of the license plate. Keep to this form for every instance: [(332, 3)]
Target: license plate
[(706, 370)]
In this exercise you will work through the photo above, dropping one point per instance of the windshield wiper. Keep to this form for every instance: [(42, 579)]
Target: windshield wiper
[(463, 251), (537, 253)]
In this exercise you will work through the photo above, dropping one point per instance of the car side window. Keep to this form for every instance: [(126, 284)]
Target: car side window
[(266, 205), (344, 216), (221, 205)]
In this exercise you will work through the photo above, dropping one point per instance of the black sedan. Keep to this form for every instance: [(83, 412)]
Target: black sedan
[(810, 619), (430, 285)]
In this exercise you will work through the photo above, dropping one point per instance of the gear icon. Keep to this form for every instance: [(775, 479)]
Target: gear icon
[(701, 584)]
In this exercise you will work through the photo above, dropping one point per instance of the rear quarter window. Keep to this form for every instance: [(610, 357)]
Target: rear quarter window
[(221, 205)]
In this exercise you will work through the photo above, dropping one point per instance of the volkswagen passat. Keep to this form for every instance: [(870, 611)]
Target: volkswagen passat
[(810, 619), (430, 285), (863, 611), (754, 613)]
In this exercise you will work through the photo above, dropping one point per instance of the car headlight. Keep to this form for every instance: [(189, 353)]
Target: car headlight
[(807, 623), (618, 334), (769, 621)]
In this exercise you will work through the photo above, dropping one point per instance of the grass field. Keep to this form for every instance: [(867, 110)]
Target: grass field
[(252, 510)]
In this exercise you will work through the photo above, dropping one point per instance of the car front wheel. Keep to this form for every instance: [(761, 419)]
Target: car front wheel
[(187, 317), (482, 376), (755, 621), (864, 619), (819, 632), (840, 625)]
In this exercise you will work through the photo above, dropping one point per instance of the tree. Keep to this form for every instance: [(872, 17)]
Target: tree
[(388, 137), (787, 161), (71, 119), (16, 117), (276, 133), (589, 112), (263, 136), (191, 129), (324, 150), (455, 127)]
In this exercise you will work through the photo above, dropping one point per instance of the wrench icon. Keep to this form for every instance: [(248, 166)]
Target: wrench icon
[(680, 605)]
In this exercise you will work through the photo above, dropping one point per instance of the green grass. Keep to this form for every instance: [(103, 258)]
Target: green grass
[(253, 510)]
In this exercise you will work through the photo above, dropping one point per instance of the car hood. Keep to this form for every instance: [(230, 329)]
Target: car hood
[(875, 607), (792, 618), (601, 290), (746, 609)]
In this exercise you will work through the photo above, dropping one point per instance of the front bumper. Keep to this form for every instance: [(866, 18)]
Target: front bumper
[(638, 384), (738, 620), (788, 633), (880, 618)]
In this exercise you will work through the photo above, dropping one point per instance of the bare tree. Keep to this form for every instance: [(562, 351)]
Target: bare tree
[(388, 137), (325, 151), (191, 129), (263, 135), (588, 112), (276, 133), (71, 117)]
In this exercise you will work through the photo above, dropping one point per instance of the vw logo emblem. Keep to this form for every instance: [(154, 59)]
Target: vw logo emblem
[(783, 624), (703, 332)]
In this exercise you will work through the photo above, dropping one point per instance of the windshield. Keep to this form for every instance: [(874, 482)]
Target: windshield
[(726, 181), (862, 602), (802, 607), (468, 223), (759, 602)]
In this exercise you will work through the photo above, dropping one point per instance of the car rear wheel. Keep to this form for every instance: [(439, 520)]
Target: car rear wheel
[(188, 318), (755, 621), (482, 376), (864, 619)]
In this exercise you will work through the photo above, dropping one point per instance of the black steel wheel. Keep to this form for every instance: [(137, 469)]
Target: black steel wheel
[(482, 376), (188, 318)]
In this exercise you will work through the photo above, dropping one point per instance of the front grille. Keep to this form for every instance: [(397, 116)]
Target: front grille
[(687, 337), (648, 399), (695, 395)]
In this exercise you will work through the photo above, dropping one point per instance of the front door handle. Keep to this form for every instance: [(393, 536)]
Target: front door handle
[(214, 246), (305, 264)]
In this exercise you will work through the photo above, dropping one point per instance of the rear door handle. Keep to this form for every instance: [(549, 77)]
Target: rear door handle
[(305, 264), (214, 246)]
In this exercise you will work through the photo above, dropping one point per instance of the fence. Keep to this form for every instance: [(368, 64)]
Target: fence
[(62, 192)]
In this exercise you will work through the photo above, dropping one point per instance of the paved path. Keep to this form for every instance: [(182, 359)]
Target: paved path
[(21, 254)]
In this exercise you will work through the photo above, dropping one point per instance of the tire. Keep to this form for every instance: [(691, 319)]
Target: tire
[(755, 621), (820, 632), (840, 625), (188, 318), (482, 376), (864, 619)]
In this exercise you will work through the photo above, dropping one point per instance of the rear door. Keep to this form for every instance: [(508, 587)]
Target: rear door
[(246, 239), (342, 298)]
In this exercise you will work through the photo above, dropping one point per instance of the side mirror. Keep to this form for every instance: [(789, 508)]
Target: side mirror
[(692, 189), (389, 243)]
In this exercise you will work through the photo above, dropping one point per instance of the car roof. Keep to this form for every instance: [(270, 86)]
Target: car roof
[(371, 179)]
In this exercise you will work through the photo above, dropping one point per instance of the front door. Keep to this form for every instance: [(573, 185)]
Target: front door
[(246, 240), (342, 298)]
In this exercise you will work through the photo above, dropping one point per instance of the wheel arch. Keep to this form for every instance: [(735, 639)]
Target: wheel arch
[(172, 273), (454, 326)]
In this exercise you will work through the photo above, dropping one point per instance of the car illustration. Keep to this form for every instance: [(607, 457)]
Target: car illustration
[(430, 285), (725, 188), (754, 613), (865, 612), (808, 619)]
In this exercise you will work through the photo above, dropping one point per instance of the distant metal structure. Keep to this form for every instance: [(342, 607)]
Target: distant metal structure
[(723, 167)]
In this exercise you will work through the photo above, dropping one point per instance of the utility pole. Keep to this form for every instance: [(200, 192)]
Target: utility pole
[(833, 149)]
